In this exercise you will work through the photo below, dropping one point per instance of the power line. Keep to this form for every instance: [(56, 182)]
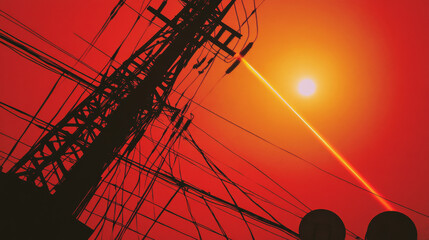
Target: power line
[(306, 161)]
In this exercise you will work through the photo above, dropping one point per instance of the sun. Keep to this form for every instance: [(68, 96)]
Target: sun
[(306, 87)]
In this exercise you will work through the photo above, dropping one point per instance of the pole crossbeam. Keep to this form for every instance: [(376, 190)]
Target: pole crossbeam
[(68, 162), (151, 70)]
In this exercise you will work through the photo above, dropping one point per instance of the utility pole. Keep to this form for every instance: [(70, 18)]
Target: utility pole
[(51, 184)]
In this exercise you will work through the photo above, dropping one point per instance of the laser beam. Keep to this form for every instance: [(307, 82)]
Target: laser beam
[(341, 159)]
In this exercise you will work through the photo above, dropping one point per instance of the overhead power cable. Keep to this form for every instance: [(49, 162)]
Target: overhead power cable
[(302, 159)]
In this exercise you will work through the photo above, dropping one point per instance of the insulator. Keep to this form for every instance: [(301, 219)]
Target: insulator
[(198, 64), (179, 122), (184, 109), (232, 67), (242, 54), (246, 49), (185, 127), (174, 116)]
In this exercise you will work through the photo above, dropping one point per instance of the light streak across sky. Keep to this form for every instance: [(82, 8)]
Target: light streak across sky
[(342, 160)]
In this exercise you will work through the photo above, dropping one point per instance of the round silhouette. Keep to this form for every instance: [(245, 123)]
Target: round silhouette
[(391, 225), (322, 224)]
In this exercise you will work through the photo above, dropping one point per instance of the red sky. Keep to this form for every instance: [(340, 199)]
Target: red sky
[(368, 59)]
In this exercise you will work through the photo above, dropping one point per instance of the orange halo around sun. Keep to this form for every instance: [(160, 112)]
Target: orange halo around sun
[(342, 160)]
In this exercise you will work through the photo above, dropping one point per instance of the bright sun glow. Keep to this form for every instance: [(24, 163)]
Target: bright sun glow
[(342, 160), (306, 87)]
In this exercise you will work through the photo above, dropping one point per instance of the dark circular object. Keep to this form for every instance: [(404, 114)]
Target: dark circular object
[(322, 224), (391, 225)]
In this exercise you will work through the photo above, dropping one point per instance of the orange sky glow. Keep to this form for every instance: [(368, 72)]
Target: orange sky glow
[(368, 60)]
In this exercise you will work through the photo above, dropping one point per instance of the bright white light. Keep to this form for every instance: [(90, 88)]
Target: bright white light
[(342, 160), (306, 87)]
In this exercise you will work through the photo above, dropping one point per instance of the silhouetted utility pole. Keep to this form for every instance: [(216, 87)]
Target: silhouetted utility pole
[(46, 189)]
